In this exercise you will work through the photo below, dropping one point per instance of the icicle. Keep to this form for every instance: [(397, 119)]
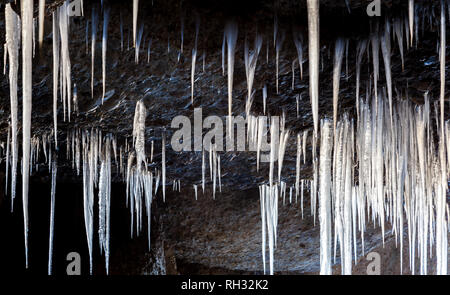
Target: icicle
[(104, 45), (41, 22), (52, 216), (8, 160), (250, 68), (163, 164), (55, 75), (325, 198), (284, 136), (411, 20), (138, 44), (196, 192), (313, 28), (65, 56), (203, 170), (223, 52), (104, 202), (231, 32), (194, 57), (297, 166), (399, 33), (27, 68), (387, 68), (264, 99), (93, 41), (359, 56), (13, 27), (135, 15), (338, 55), (375, 41), (139, 134), (298, 41), (279, 44)]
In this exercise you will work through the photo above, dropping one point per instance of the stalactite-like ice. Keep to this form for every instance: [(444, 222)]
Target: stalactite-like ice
[(56, 41), (231, 33), (27, 88), (163, 166), (338, 55), (41, 22), (250, 60), (13, 27), (135, 16), (94, 21), (52, 215), (104, 45), (325, 198)]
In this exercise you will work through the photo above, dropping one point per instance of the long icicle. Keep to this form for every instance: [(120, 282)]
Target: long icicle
[(338, 56), (55, 75), (135, 16), (93, 43), (13, 44), (27, 68), (52, 216), (313, 29), (325, 198), (104, 46), (231, 32), (41, 22)]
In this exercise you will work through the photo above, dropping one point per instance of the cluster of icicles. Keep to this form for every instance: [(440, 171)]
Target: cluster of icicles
[(383, 167)]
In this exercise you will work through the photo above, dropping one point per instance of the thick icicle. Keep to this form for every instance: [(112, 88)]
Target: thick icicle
[(313, 29), (338, 55), (139, 135), (325, 198), (13, 27), (41, 22)]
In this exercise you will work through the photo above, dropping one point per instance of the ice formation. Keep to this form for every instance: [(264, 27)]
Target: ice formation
[(388, 165)]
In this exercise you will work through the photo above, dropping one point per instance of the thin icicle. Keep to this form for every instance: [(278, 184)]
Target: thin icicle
[(231, 32), (135, 16), (163, 166), (104, 46), (52, 216), (194, 57), (93, 43), (279, 44), (55, 74), (387, 68), (251, 60), (27, 88)]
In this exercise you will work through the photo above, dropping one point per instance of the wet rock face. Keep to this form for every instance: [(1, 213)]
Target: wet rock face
[(222, 235)]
